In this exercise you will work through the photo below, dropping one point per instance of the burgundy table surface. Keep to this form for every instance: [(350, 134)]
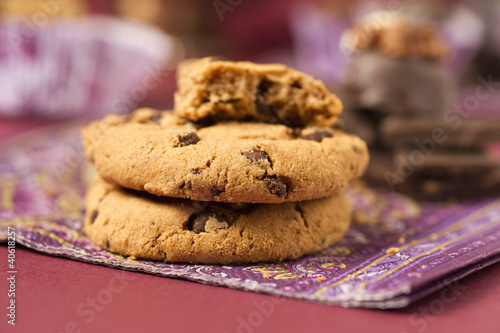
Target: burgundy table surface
[(51, 291)]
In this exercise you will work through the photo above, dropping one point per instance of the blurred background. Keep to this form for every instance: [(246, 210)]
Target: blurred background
[(63, 58), (72, 59)]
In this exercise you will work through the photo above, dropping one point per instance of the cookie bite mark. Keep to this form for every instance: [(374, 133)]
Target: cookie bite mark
[(187, 139), (205, 222), (276, 186), (317, 134)]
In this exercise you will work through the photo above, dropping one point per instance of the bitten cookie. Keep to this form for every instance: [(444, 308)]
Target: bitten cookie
[(138, 224), (212, 90), (228, 162)]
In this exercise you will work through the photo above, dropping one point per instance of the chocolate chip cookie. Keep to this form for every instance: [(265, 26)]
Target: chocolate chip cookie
[(166, 155), (212, 89), (177, 230)]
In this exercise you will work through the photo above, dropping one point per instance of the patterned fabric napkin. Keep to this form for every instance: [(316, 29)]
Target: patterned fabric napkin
[(397, 250)]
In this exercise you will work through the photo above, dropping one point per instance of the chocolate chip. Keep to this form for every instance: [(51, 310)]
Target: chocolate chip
[(292, 120), (275, 186), (197, 222), (265, 109), (155, 118), (215, 191), (256, 156), (93, 216), (187, 139), (356, 149), (269, 111), (205, 100), (263, 87), (107, 243), (317, 135), (196, 171), (261, 106), (296, 84), (230, 101)]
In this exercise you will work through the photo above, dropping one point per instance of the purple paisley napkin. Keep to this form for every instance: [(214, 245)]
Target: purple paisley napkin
[(397, 250)]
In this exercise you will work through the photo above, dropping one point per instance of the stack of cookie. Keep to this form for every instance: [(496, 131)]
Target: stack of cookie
[(246, 169)]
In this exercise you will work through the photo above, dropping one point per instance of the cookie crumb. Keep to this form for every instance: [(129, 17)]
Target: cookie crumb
[(401, 240), (434, 237), (321, 279), (342, 266), (392, 250), (266, 275), (443, 248)]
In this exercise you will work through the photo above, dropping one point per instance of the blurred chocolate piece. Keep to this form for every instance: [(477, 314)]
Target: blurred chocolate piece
[(440, 177), (453, 164), (468, 134)]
